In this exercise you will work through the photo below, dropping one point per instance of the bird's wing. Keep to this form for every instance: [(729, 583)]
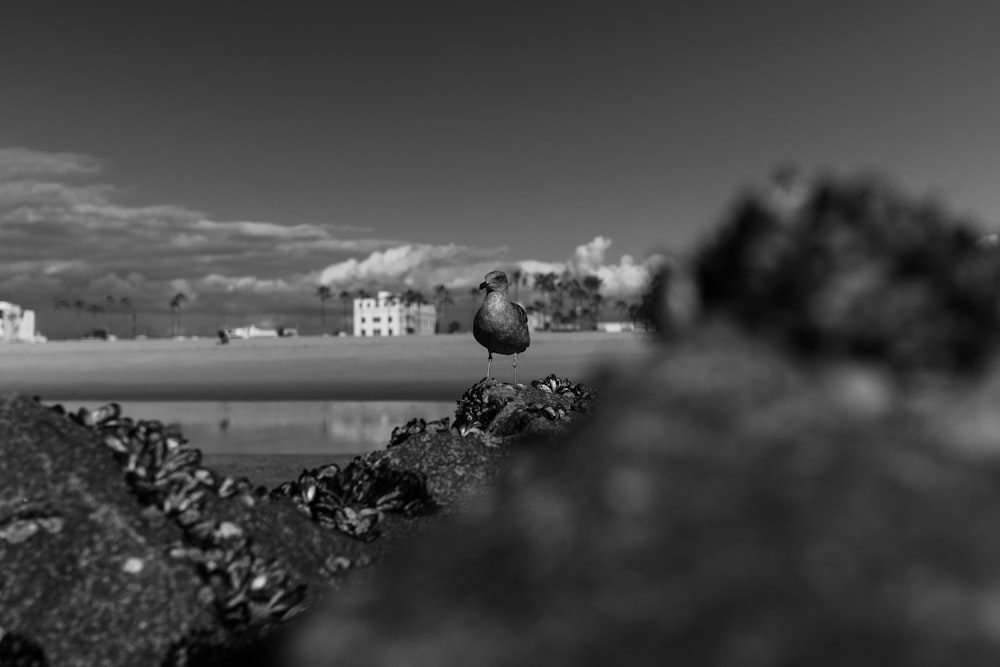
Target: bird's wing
[(524, 315)]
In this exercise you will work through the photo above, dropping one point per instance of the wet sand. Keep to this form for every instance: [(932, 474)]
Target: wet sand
[(303, 368)]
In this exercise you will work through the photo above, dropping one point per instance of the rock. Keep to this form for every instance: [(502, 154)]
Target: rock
[(460, 464), (68, 526), (95, 569), (850, 268), (89, 574), (724, 506)]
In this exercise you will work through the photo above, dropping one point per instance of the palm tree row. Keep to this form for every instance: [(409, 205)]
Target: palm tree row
[(104, 307), (569, 299)]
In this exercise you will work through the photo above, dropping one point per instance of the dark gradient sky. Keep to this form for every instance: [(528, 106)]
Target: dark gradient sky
[(440, 122), (536, 126)]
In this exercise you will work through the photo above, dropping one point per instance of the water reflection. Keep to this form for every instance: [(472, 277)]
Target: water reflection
[(284, 427)]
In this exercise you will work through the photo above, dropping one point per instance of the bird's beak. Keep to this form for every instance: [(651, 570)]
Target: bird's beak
[(482, 286)]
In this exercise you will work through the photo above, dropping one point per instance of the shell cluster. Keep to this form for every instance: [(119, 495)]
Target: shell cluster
[(417, 426), (353, 499), (556, 385), (163, 472), (475, 410)]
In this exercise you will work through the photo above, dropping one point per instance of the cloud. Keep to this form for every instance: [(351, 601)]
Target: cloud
[(625, 277), (21, 162), (56, 221), (65, 235), (413, 264), (422, 266)]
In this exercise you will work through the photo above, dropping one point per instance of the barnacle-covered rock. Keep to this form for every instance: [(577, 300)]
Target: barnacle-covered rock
[(353, 499), (461, 463), (851, 268), (118, 547)]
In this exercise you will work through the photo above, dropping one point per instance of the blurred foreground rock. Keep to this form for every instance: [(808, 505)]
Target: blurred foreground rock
[(725, 507), (840, 268)]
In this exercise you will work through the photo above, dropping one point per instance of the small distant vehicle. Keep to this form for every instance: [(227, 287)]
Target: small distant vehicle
[(223, 337), (97, 334)]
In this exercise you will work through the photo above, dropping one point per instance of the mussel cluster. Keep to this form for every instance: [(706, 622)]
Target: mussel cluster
[(557, 385), (353, 499), (416, 426), (163, 472), (475, 410)]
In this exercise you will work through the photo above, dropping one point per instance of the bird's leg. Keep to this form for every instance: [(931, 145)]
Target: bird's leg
[(515, 368), (489, 362)]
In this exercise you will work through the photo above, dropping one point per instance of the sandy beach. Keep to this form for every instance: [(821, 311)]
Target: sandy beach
[(302, 368)]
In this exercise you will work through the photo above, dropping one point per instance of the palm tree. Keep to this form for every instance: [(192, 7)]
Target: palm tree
[(175, 307), (413, 297), (109, 305), (79, 306), (345, 301), (442, 299), (516, 275), (633, 313), (622, 307), (126, 307), (94, 309), (546, 284), (324, 293), (592, 287), (579, 295)]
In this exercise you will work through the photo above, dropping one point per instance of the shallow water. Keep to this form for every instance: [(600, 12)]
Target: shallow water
[(283, 427)]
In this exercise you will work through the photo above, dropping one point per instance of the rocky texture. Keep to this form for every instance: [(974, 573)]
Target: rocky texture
[(91, 585), (461, 463), (851, 268), (86, 570), (99, 565), (725, 507)]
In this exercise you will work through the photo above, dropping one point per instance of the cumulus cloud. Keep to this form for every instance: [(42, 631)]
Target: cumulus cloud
[(413, 264), (627, 276), (423, 266)]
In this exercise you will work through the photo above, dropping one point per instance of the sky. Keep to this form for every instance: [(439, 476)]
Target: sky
[(245, 155)]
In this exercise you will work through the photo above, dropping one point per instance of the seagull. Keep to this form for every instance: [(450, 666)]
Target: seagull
[(500, 326)]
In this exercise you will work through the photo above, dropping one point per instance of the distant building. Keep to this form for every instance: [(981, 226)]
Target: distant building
[(18, 324), (386, 315)]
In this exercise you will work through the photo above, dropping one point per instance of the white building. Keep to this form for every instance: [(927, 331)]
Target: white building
[(385, 315), (18, 324)]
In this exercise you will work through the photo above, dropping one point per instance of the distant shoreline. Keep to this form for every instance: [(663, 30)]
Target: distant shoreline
[(433, 368)]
